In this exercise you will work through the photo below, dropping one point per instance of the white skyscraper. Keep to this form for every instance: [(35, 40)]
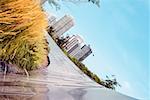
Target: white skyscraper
[(51, 20), (84, 52), (74, 44), (63, 25), (76, 48), (75, 39)]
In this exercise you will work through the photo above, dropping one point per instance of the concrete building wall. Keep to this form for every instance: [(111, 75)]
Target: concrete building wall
[(71, 42), (75, 39), (84, 52), (75, 51), (51, 20), (63, 25), (73, 48)]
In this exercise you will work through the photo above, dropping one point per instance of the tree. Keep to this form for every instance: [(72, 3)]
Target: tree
[(111, 83)]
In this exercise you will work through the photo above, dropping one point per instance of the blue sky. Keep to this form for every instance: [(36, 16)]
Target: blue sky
[(118, 35)]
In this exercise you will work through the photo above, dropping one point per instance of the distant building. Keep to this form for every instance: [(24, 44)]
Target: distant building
[(75, 48), (62, 25), (73, 44), (83, 53), (51, 20)]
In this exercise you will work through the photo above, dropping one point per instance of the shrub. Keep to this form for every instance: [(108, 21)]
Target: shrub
[(22, 40)]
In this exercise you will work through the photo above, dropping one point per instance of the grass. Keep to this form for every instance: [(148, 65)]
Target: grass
[(83, 68), (108, 83), (22, 38)]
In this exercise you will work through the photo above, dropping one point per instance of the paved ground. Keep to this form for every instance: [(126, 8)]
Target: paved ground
[(63, 68), (62, 80)]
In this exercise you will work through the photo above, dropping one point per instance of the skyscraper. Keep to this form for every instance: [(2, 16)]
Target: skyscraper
[(62, 25), (73, 40), (83, 53), (51, 20), (76, 48), (73, 44)]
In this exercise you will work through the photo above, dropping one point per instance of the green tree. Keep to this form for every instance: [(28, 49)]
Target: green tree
[(111, 82)]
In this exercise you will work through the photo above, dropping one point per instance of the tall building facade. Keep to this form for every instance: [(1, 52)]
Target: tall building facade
[(73, 44), (51, 20), (75, 48), (62, 25), (83, 53), (72, 41)]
